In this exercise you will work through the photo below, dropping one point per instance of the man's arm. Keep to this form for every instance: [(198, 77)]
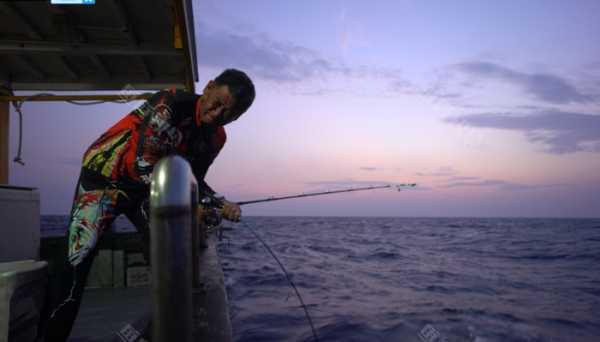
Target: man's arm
[(230, 211)]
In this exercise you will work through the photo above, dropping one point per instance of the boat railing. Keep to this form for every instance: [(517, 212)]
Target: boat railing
[(174, 241)]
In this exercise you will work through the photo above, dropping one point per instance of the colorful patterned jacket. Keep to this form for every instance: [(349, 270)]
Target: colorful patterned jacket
[(167, 123)]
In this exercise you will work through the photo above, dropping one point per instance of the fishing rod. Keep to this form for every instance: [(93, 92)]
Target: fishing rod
[(212, 203), (271, 199)]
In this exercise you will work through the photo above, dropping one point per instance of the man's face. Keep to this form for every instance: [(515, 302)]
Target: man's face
[(216, 106)]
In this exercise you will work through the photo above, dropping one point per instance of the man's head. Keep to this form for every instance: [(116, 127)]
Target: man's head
[(226, 98)]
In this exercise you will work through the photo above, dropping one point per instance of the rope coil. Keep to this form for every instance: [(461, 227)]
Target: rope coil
[(17, 105)]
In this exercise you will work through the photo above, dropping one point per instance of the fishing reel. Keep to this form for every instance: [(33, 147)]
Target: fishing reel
[(211, 210)]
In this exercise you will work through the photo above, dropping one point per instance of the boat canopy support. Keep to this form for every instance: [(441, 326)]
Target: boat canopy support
[(4, 140), (53, 98)]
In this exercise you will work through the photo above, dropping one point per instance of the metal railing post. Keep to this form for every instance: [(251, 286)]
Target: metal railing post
[(173, 196)]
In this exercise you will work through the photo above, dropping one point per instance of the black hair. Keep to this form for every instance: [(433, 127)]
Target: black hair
[(240, 86)]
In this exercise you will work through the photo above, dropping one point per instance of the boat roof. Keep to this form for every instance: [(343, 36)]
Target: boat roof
[(110, 45)]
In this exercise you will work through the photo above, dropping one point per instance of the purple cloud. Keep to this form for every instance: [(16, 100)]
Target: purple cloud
[(370, 168), (460, 179), (498, 184), (438, 90), (259, 55), (276, 60), (546, 87), (441, 172), (562, 132)]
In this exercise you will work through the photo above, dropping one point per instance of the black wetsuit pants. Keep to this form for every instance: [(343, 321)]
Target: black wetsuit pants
[(95, 207)]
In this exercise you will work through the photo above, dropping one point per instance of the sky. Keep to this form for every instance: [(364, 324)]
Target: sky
[(492, 107)]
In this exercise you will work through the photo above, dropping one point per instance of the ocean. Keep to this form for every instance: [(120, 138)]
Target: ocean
[(410, 279)]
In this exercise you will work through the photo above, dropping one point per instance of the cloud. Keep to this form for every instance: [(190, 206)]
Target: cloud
[(546, 87), (595, 66), (441, 172), (440, 93), (499, 184), (274, 60), (438, 90), (461, 178), (258, 54), (562, 132), (370, 168)]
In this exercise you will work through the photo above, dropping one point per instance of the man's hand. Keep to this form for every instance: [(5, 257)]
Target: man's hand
[(231, 211)]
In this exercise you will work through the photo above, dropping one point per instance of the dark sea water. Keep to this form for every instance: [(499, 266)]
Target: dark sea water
[(413, 279)]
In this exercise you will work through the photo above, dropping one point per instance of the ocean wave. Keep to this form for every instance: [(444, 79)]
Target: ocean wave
[(387, 279)]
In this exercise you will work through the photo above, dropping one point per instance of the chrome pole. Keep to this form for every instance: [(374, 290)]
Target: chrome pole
[(173, 194)]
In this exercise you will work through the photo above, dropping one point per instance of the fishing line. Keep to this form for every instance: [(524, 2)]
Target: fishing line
[(312, 327), (215, 202)]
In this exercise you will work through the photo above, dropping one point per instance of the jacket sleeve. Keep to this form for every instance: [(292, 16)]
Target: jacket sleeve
[(182, 104), (200, 165)]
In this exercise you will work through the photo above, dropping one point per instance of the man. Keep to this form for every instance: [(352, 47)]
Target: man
[(117, 169)]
